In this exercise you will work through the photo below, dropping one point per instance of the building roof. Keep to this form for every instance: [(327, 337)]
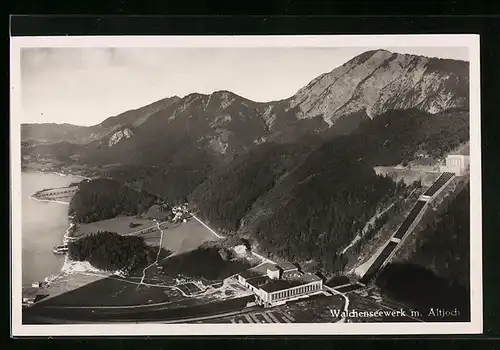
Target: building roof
[(259, 281), (249, 274), (286, 266), (310, 277), (277, 285), (291, 274), (262, 268), (273, 268)]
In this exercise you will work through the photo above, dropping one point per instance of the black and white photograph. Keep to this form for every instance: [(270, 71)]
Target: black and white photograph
[(246, 185)]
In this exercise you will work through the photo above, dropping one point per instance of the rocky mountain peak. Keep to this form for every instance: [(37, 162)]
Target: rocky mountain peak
[(378, 80), (364, 87)]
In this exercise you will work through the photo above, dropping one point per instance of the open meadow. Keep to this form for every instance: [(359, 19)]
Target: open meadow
[(120, 224), (182, 237), (177, 237)]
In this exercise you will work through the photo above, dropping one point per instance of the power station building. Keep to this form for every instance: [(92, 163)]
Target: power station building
[(456, 164), (276, 284)]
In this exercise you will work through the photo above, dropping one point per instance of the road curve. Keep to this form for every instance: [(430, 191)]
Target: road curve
[(157, 255)]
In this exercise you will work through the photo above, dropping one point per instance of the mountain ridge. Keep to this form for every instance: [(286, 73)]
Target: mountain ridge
[(374, 81), (224, 124)]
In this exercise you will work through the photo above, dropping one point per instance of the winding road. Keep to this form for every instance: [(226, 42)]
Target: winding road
[(157, 256)]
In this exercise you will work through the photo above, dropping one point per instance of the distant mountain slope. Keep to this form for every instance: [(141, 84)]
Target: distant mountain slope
[(52, 132), (225, 123)]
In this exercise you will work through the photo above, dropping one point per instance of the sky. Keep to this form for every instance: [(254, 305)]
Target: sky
[(84, 86)]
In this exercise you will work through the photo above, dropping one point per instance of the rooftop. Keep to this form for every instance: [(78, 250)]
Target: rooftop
[(291, 274), (275, 285), (262, 268), (249, 274), (259, 282), (286, 266), (273, 268), (310, 277)]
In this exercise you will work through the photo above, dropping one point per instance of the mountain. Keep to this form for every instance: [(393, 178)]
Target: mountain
[(362, 88), (377, 81), (52, 132), (295, 175), (307, 200)]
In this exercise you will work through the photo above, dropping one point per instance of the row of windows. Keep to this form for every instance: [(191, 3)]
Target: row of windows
[(293, 292)]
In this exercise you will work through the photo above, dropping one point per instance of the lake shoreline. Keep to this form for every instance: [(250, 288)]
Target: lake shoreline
[(56, 283)]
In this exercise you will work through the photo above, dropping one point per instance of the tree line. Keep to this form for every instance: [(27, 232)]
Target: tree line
[(112, 252), (102, 199)]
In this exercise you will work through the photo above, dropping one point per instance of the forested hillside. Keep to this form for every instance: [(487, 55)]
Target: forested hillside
[(322, 213), (104, 199), (226, 196), (172, 181), (308, 203)]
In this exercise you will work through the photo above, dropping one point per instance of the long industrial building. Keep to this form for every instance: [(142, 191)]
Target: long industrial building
[(276, 284)]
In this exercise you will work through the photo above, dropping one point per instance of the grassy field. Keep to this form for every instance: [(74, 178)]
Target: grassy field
[(114, 291), (178, 238), (119, 225), (181, 238), (154, 212), (159, 314)]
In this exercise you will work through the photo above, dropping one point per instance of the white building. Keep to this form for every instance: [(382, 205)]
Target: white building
[(274, 272), (284, 290), (277, 284), (456, 164)]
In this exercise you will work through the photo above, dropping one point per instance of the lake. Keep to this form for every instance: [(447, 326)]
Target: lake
[(43, 226)]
